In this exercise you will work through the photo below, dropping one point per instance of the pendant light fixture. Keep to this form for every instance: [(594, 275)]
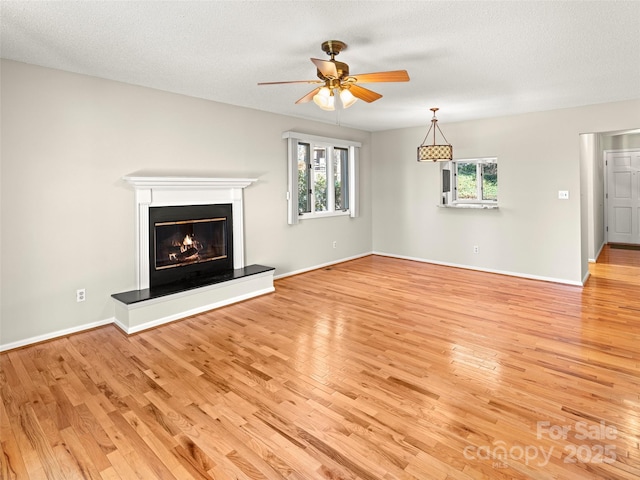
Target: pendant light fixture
[(435, 153)]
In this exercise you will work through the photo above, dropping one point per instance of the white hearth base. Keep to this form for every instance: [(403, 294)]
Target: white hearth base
[(134, 317)]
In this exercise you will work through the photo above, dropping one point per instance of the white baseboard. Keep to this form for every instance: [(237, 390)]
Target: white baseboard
[(57, 334), (322, 265), (487, 270), (594, 260)]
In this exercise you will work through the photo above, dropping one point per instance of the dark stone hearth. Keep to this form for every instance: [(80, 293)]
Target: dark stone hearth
[(136, 296)]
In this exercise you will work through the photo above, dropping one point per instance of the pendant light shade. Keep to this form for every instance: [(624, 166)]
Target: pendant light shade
[(433, 152)]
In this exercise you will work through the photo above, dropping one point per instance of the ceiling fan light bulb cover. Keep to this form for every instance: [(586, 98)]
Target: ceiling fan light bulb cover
[(322, 97), (330, 106), (347, 98)]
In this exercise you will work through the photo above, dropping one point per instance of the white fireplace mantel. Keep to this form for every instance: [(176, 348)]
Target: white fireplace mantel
[(164, 190), (187, 182)]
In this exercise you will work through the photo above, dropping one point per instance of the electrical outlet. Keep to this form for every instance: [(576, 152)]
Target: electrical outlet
[(476, 249), (81, 295), (335, 244)]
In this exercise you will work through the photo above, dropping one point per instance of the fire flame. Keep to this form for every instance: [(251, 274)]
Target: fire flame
[(186, 243)]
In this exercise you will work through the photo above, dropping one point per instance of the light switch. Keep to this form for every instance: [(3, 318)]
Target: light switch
[(563, 194)]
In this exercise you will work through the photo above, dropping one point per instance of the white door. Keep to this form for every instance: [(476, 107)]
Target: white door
[(623, 196)]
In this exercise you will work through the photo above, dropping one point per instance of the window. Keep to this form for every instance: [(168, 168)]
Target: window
[(322, 177), (323, 186), (474, 181)]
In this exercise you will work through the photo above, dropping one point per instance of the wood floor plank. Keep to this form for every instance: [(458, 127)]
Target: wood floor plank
[(140, 456), (376, 368), (11, 461), (84, 464)]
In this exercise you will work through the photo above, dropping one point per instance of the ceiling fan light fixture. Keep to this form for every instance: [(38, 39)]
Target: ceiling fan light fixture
[(435, 153), (347, 98)]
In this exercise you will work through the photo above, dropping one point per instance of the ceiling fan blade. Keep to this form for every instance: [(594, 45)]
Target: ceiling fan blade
[(364, 94), (327, 68), (294, 81), (391, 76), (308, 96)]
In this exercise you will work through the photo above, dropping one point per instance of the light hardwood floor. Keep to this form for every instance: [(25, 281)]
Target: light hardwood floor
[(376, 368)]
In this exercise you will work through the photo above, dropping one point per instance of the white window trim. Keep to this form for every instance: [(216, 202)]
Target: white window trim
[(293, 138), (309, 215)]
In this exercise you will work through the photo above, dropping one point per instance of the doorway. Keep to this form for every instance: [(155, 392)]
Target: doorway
[(622, 197)]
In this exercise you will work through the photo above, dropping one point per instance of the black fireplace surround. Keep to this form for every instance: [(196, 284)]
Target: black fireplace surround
[(189, 242)]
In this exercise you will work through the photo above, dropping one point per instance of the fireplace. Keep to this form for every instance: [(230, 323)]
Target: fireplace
[(189, 241), (189, 250), (167, 191)]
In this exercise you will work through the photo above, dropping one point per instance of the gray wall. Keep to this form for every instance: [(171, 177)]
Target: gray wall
[(68, 218), (533, 233)]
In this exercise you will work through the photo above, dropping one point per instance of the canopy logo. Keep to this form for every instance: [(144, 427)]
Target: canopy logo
[(594, 450)]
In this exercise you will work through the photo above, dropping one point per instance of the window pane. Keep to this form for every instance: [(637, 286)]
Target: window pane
[(340, 179), (304, 205), (490, 181), (320, 178), (467, 181)]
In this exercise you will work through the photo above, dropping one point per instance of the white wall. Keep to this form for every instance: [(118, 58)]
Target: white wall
[(533, 233), (68, 218)]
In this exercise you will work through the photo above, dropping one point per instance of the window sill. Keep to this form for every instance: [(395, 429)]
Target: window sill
[(324, 215), (482, 206)]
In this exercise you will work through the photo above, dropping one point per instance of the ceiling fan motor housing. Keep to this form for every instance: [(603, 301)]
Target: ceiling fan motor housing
[(342, 68), (333, 48)]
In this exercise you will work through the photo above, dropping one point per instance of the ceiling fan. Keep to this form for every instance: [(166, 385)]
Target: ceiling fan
[(334, 76)]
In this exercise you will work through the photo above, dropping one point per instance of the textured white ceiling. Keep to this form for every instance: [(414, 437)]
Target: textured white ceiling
[(472, 59)]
